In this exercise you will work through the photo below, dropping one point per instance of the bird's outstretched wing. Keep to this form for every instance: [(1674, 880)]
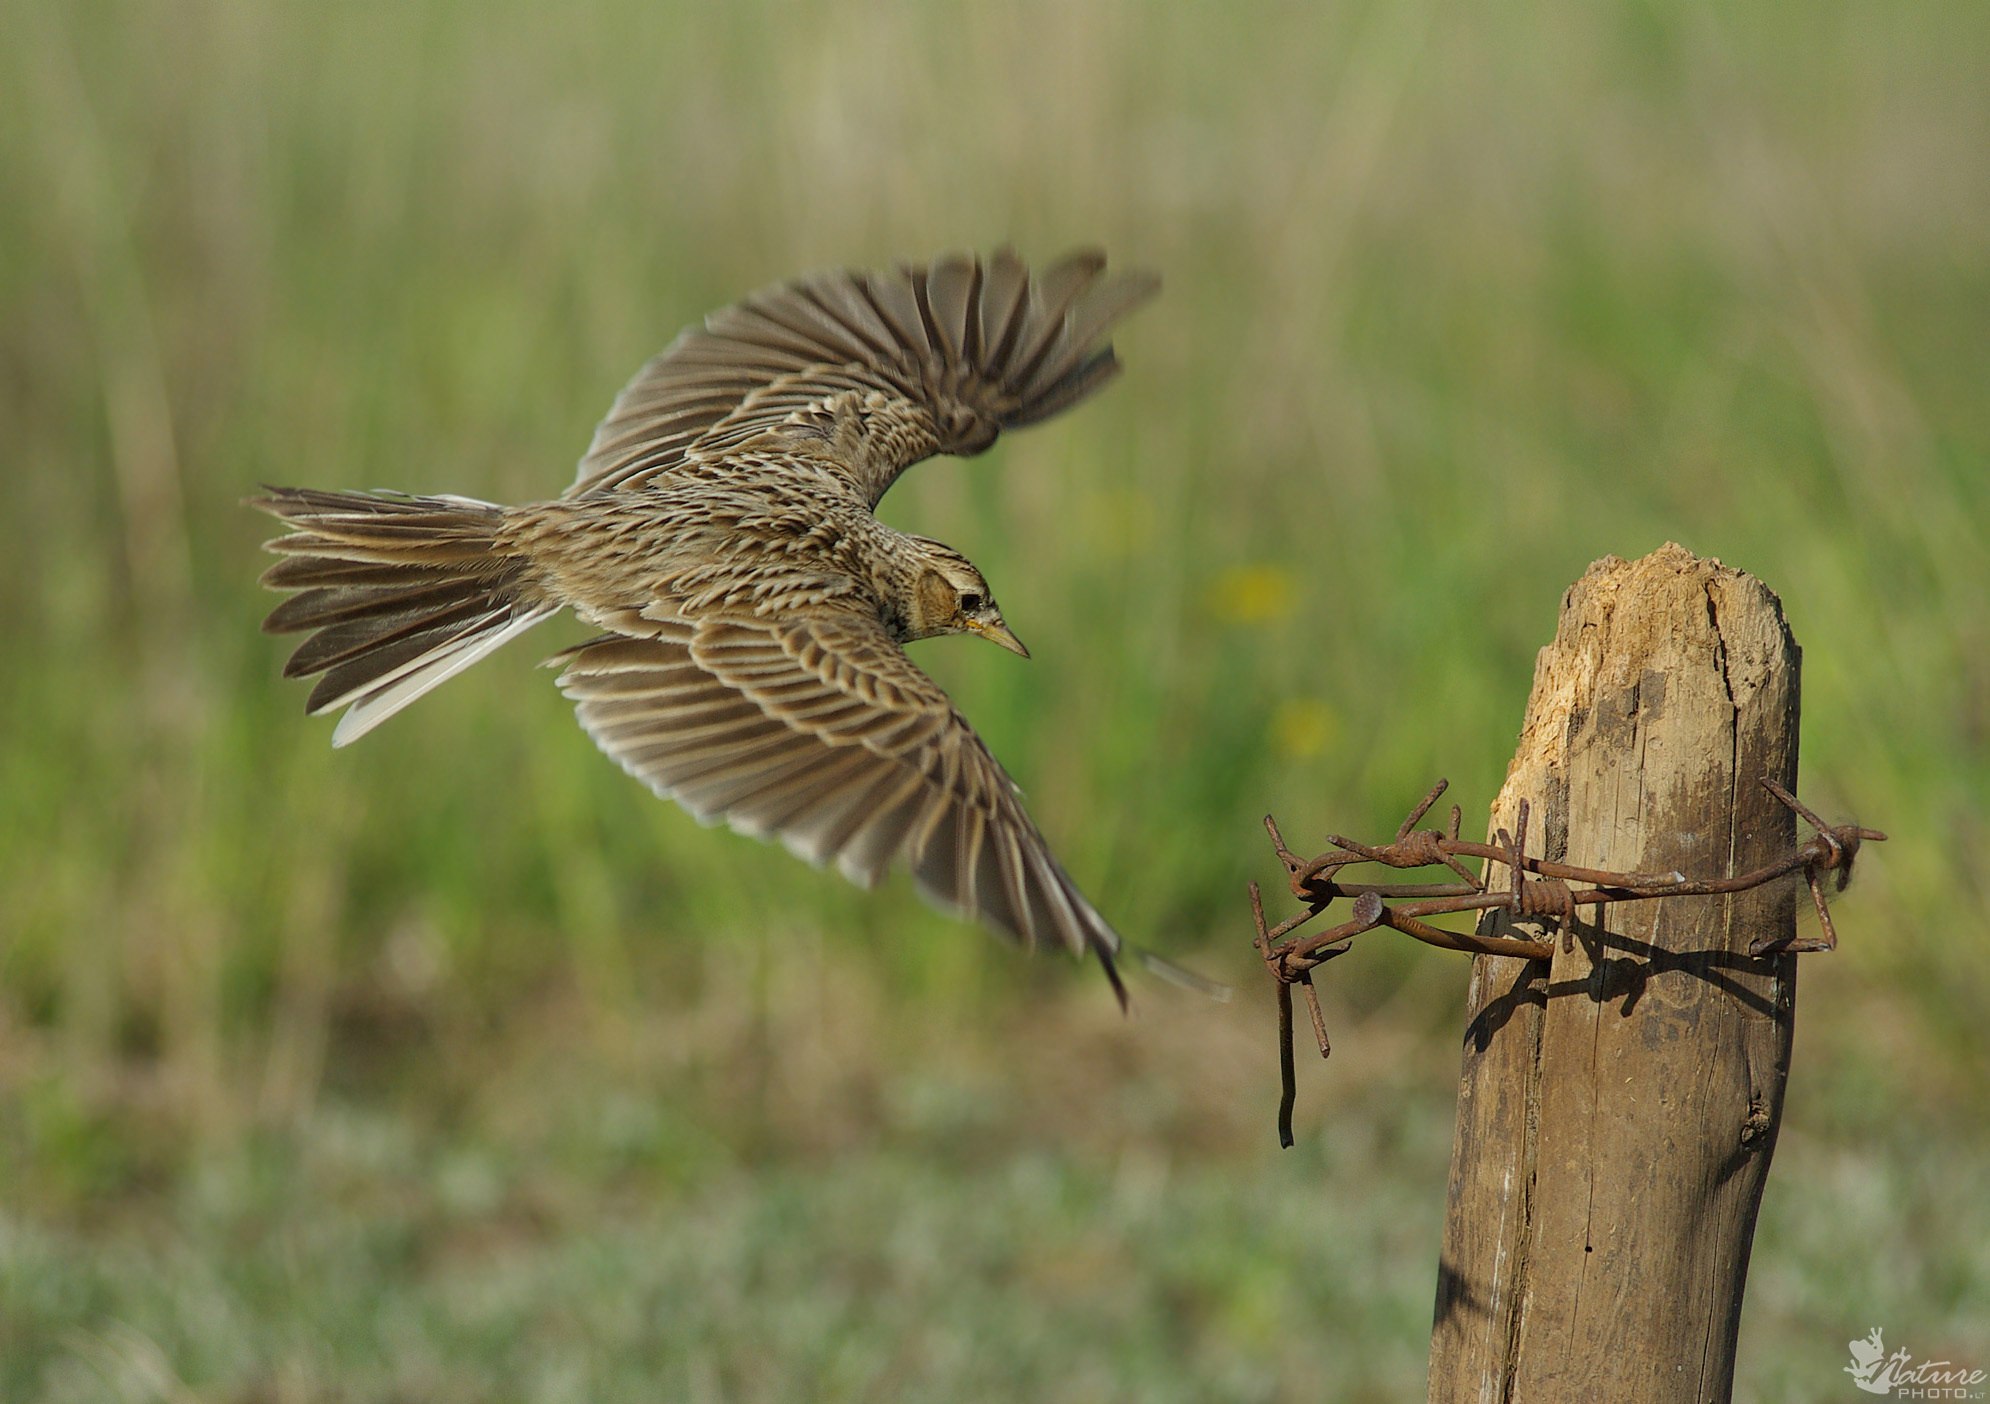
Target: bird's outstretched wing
[(915, 361), (823, 734)]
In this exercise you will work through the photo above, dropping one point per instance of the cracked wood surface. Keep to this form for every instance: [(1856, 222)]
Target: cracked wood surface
[(1618, 1106)]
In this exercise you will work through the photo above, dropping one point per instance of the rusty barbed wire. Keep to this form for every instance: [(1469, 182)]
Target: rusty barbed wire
[(1533, 888)]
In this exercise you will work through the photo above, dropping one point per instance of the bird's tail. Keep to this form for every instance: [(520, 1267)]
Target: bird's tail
[(399, 594)]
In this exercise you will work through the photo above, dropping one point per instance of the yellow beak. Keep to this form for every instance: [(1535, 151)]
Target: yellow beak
[(998, 632)]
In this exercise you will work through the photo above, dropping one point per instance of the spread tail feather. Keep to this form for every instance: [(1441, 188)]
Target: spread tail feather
[(398, 594)]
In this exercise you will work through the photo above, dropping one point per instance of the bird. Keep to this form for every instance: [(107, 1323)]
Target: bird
[(752, 610)]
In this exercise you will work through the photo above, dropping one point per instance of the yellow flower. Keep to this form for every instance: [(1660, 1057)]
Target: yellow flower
[(1253, 594), (1302, 727)]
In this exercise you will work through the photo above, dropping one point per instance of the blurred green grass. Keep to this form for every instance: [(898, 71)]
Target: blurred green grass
[(1456, 301)]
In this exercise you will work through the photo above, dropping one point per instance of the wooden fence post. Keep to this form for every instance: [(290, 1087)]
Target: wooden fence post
[(1619, 1105)]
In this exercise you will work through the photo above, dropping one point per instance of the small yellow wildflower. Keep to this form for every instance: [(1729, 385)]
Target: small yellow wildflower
[(1303, 727), (1253, 594)]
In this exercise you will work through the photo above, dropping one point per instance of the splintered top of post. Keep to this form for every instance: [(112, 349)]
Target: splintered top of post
[(1626, 627)]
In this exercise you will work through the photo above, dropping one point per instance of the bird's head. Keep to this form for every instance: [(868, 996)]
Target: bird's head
[(948, 595)]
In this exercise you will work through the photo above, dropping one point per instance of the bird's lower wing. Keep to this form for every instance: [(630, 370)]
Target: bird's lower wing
[(824, 735)]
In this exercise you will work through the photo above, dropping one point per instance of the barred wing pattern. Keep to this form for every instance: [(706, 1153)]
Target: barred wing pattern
[(929, 359), (822, 733)]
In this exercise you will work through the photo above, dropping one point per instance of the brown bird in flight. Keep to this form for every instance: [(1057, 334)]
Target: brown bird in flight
[(720, 533)]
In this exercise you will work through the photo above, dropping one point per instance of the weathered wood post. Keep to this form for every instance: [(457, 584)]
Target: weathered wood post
[(1619, 1104)]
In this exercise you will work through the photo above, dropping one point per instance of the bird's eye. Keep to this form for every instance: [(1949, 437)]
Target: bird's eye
[(970, 602)]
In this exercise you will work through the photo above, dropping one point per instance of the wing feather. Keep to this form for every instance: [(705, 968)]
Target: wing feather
[(952, 288)]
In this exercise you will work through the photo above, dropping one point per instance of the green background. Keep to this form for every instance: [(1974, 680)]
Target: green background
[(453, 1066)]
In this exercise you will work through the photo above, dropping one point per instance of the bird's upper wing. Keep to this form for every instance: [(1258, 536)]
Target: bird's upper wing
[(823, 734), (913, 362)]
